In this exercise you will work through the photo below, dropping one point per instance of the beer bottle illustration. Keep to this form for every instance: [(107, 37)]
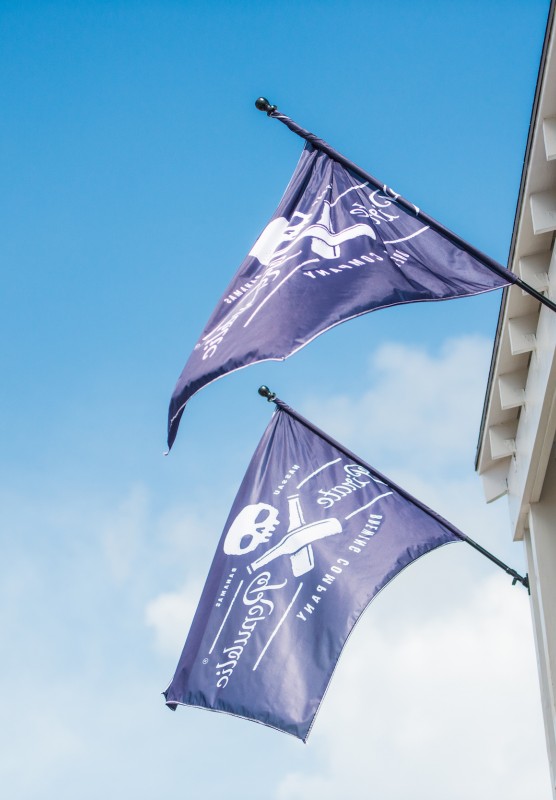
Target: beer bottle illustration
[(297, 542)]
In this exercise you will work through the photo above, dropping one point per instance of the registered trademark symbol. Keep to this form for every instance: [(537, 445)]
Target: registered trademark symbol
[(205, 660)]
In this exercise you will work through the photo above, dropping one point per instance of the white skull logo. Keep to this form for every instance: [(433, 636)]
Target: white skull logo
[(253, 525)]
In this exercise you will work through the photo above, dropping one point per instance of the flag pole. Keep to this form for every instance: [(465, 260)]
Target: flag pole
[(271, 397), (263, 104)]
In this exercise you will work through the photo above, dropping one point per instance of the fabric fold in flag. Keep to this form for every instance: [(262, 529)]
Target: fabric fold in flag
[(313, 535), (337, 247)]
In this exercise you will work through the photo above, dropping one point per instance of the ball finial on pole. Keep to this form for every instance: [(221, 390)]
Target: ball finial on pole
[(263, 105), (264, 391)]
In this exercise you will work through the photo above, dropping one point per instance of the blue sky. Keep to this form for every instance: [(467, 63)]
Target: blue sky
[(136, 175)]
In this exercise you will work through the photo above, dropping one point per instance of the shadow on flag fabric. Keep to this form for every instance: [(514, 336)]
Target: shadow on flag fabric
[(312, 537), (337, 247)]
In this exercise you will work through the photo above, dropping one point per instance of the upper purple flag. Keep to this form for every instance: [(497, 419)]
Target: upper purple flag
[(337, 247), (313, 535)]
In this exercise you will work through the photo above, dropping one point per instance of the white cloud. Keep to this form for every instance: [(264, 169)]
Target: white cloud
[(189, 536), (49, 743), (170, 616), (420, 408), (123, 532), (441, 709)]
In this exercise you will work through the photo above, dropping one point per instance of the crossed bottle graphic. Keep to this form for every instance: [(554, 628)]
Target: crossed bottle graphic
[(297, 542)]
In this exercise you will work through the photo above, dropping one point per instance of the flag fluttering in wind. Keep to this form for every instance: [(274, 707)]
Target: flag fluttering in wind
[(337, 247), (313, 535)]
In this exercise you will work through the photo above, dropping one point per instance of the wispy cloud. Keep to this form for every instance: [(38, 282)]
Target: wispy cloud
[(435, 711), (123, 532), (170, 615), (417, 407)]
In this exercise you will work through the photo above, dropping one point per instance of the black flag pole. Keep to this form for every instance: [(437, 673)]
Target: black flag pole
[(265, 392), (272, 111)]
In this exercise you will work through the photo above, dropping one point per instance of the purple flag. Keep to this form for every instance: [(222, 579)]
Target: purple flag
[(313, 535), (337, 247)]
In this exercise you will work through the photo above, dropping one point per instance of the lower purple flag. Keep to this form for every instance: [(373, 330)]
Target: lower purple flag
[(313, 535)]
